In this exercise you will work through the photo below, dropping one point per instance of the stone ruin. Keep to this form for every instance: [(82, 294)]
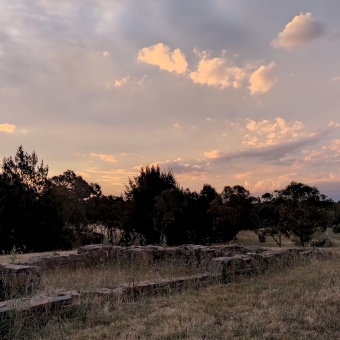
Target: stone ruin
[(221, 262), (194, 254)]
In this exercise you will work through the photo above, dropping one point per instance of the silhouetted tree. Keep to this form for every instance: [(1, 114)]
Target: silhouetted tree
[(76, 193), (303, 211), (141, 193), (231, 212), (108, 212), (168, 205), (267, 222), (29, 214)]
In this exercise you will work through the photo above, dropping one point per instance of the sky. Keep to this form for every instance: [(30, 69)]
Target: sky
[(221, 92)]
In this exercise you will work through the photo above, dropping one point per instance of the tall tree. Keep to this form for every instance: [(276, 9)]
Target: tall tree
[(141, 193), (168, 205), (29, 216), (232, 211), (76, 193), (266, 219), (303, 211)]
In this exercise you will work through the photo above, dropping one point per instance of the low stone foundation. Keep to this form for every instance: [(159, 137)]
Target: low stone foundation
[(195, 254), (244, 261)]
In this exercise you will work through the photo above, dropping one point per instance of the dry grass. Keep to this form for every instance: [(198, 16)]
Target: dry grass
[(302, 302), (249, 238), (110, 274), (334, 236)]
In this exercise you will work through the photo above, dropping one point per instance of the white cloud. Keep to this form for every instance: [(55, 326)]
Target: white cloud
[(10, 128), (214, 154), (336, 78), (119, 83), (271, 152), (302, 29), (263, 79), (216, 72), (333, 124), (266, 132), (106, 54), (104, 157), (160, 55), (335, 145)]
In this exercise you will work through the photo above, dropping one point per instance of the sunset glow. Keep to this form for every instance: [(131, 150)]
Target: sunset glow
[(221, 92)]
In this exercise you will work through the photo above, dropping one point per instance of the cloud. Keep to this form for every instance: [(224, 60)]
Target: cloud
[(243, 175), (82, 174), (188, 170), (106, 54), (214, 154), (336, 78), (216, 72), (270, 152), (266, 132), (10, 128), (160, 55), (119, 83), (263, 79), (335, 145), (302, 29), (104, 157)]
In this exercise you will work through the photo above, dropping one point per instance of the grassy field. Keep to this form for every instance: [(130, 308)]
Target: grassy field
[(249, 238), (301, 302)]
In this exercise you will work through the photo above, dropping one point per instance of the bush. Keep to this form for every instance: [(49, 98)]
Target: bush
[(321, 243)]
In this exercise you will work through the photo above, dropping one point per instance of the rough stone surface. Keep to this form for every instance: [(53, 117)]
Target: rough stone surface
[(18, 278), (65, 300), (256, 262), (194, 254)]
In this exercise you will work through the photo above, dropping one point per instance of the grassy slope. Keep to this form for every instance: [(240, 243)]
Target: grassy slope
[(296, 303), (331, 234), (249, 238)]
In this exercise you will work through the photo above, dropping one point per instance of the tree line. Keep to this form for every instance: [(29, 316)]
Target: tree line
[(41, 213)]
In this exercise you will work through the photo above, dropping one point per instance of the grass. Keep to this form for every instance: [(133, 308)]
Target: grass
[(333, 235), (111, 273), (301, 302), (249, 238)]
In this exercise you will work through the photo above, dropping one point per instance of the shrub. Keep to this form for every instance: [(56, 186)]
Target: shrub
[(321, 243)]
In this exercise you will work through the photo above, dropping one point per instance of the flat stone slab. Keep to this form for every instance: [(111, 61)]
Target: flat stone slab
[(63, 301)]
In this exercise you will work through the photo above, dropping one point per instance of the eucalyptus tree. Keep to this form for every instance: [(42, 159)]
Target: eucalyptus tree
[(304, 211)]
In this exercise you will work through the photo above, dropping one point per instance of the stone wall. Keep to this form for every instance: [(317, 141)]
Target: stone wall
[(236, 261), (195, 254), (18, 279)]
